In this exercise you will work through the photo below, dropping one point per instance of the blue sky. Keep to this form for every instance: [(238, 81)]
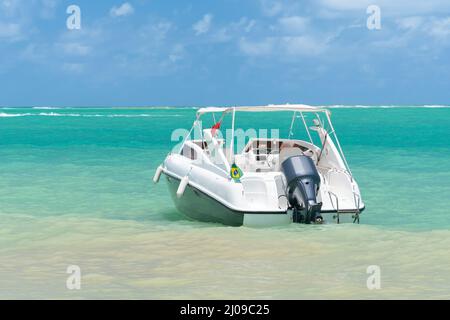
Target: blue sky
[(224, 52)]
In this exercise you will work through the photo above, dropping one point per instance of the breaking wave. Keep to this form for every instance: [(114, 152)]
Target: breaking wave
[(47, 108), (385, 107), (55, 114)]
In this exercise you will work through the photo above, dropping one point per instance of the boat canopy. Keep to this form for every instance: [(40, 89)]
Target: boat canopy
[(298, 110), (268, 108)]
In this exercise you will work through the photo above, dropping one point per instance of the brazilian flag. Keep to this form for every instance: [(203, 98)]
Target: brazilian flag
[(236, 173)]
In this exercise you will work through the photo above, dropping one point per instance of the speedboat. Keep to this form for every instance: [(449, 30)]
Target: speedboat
[(241, 179)]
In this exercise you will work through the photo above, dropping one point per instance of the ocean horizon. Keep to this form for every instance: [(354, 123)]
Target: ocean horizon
[(331, 106)]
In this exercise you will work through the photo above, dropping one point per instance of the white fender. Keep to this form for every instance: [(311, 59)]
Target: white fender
[(157, 174), (182, 187)]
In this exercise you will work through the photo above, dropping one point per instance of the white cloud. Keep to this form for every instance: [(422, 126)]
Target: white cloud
[(34, 53), (345, 5), (419, 32), (203, 25), (233, 30), (73, 68), (244, 23), (48, 8), (222, 35), (10, 31), (440, 28), (257, 48), (410, 23), (394, 42), (303, 46), (293, 24), (76, 49), (125, 9), (156, 31), (271, 7), (9, 7), (274, 8), (388, 7), (177, 53), (250, 26), (284, 47), (162, 29)]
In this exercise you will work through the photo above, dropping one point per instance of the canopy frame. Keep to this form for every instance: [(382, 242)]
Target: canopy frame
[(268, 108), (295, 108)]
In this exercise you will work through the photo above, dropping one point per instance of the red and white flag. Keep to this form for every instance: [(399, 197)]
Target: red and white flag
[(215, 128)]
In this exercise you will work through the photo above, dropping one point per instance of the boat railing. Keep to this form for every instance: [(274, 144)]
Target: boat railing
[(357, 199), (330, 171), (331, 195)]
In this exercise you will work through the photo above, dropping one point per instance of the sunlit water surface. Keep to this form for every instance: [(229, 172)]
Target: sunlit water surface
[(75, 189)]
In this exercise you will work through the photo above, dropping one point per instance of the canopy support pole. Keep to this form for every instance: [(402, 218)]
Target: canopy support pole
[(232, 137), (292, 125), (337, 141), (306, 127), (187, 136)]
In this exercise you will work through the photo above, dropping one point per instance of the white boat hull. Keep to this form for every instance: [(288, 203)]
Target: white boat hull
[(269, 181), (199, 206)]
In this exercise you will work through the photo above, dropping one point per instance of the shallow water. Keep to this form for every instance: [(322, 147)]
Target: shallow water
[(75, 189)]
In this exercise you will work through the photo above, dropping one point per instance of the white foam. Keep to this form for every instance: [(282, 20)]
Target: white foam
[(46, 108), (436, 106), (55, 114), (10, 115), (384, 107)]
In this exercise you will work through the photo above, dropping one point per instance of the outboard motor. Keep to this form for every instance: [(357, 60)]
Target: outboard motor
[(303, 182)]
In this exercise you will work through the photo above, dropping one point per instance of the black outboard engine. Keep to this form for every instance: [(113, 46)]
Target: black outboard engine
[(303, 182)]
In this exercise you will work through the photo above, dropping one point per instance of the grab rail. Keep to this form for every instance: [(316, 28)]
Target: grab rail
[(357, 203), (337, 203), (335, 170)]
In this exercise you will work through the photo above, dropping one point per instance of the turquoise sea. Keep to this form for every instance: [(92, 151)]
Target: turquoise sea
[(76, 189)]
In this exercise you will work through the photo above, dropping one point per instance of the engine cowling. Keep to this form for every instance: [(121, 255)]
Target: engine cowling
[(303, 182)]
